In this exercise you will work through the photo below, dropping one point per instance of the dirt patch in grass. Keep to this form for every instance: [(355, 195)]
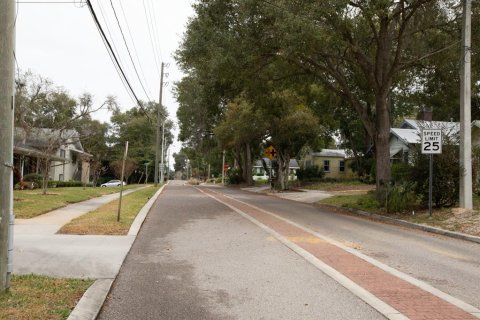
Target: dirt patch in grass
[(103, 221), (38, 297)]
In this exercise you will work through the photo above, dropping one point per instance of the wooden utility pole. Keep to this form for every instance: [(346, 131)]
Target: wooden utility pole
[(146, 172), (466, 201), (223, 167), (7, 79), (121, 182), (162, 166), (160, 115)]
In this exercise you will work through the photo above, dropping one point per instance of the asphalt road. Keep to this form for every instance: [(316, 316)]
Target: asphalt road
[(450, 265), (198, 259)]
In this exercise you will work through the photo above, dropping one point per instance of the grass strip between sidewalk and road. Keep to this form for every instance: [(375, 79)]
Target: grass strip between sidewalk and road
[(39, 297), (31, 203), (103, 221), (445, 218)]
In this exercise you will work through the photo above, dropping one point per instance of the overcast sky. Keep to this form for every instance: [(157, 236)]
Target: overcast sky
[(62, 43)]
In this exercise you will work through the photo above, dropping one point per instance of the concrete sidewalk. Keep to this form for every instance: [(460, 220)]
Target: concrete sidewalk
[(39, 250), (303, 195)]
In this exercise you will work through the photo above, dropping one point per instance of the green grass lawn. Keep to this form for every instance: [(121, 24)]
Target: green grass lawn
[(338, 185), (31, 203), (444, 218), (366, 202), (38, 297), (103, 221)]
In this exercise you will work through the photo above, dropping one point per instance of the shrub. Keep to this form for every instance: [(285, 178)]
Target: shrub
[(446, 176), (400, 197), (310, 173), (66, 184), (234, 176), (400, 172), (37, 179), (368, 202)]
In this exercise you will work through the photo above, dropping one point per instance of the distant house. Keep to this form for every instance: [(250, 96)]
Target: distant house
[(68, 160), (260, 173), (409, 134), (334, 162)]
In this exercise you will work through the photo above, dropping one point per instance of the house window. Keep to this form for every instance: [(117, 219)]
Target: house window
[(62, 153), (61, 177), (326, 165), (341, 166)]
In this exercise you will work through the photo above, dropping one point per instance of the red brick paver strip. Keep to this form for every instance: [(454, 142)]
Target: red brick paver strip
[(410, 300)]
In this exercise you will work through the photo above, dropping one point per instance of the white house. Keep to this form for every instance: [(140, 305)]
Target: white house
[(409, 134), (260, 173), (68, 160)]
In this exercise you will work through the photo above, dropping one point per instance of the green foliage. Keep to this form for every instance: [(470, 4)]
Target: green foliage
[(401, 197), (367, 202), (311, 173), (37, 179), (66, 184), (364, 168), (400, 172), (446, 176), (234, 176)]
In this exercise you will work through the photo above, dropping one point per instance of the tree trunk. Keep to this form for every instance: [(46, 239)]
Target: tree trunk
[(382, 148), (287, 171), (248, 165), (281, 159), (45, 176)]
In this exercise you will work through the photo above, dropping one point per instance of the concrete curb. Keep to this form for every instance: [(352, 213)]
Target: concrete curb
[(451, 234), (93, 299), (138, 222), (377, 217)]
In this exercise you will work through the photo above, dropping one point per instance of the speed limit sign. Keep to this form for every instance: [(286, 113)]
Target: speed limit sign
[(431, 141)]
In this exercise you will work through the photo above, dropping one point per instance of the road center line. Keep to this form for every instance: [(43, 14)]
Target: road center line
[(391, 292)]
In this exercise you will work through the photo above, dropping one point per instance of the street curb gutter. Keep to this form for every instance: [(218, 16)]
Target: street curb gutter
[(138, 222), (92, 300), (451, 234)]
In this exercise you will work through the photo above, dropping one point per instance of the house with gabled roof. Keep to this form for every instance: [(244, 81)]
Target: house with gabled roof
[(402, 139), (63, 149), (334, 162)]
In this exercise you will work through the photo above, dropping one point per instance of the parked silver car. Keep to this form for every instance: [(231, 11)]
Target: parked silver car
[(113, 183)]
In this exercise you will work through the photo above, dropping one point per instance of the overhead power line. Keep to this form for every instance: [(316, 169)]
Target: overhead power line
[(115, 51), (135, 51), (113, 56), (151, 38), (153, 19), (128, 50)]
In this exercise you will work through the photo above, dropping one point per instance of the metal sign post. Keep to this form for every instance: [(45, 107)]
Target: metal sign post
[(431, 144)]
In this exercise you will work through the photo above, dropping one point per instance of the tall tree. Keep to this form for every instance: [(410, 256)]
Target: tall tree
[(50, 115), (137, 126), (361, 49)]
